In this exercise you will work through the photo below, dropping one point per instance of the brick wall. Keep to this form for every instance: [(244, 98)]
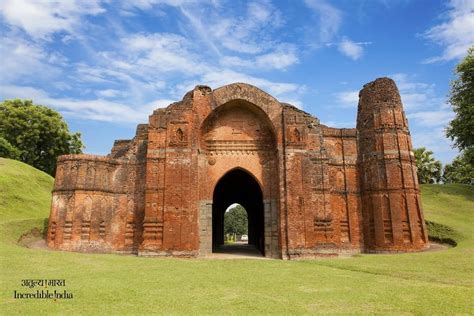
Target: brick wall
[(324, 190)]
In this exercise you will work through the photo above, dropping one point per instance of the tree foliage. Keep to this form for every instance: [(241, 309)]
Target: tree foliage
[(7, 150), (428, 168), (461, 128), (236, 221), (36, 133), (461, 170)]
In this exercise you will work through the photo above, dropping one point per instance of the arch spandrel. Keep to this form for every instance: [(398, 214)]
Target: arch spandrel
[(243, 91), (238, 120)]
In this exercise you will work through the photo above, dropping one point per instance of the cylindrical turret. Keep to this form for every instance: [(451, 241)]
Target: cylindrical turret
[(391, 205)]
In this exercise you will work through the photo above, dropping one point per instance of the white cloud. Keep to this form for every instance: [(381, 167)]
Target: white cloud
[(40, 19), (347, 99), (135, 68), (427, 115), (433, 138), (200, 28), (281, 58), (249, 33), (431, 118), (339, 124), (214, 26), (26, 61), (416, 95), (426, 111), (283, 91), (148, 4), (159, 52), (330, 18), (456, 34), (121, 84), (93, 109), (110, 93), (18, 92), (223, 77), (144, 64), (351, 49), (235, 61), (94, 74), (278, 59)]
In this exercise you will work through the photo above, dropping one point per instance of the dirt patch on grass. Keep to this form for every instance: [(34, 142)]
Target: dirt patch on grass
[(32, 235), (435, 246), (38, 244), (34, 238)]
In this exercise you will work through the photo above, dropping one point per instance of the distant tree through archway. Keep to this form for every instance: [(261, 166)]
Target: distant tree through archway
[(236, 222)]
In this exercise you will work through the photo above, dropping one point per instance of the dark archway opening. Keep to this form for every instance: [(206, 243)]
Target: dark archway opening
[(237, 186)]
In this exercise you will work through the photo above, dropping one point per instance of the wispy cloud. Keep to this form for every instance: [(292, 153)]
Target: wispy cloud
[(281, 58), (416, 95), (347, 99), (123, 67), (278, 89), (41, 19), (158, 53), (330, 18), (456, 33), (351, 49), (95, 109), (432, 118), (24, 60), (249, 33), (149, 4), (434, 138)]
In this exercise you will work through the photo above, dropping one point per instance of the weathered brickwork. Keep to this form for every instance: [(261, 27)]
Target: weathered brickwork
[(309, 190)]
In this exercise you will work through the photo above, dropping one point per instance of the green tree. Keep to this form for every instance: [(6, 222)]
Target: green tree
[(7, 150), (461, 128), (461, 170), (236, 221), (428, 168), (37, 133)]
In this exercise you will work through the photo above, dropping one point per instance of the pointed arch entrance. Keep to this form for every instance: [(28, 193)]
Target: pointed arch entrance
[(239, 186), (239, 159)]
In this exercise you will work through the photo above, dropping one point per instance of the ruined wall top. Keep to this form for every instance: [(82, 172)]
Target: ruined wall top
[(381, 90)]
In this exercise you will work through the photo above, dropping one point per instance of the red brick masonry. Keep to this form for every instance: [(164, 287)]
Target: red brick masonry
[(309, 190)]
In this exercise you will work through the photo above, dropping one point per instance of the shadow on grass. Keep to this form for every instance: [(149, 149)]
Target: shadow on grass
[(441, 233)]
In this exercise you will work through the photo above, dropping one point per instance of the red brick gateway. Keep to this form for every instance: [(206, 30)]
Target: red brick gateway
[(309, 190)]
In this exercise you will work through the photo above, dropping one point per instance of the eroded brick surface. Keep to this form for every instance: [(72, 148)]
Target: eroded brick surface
[(325, 190)]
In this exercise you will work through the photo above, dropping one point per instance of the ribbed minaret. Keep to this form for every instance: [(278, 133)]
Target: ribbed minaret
[(391, 206)]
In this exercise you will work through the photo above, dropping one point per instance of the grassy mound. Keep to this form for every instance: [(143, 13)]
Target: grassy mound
[(450, 205), (416, 283), (25, 192)]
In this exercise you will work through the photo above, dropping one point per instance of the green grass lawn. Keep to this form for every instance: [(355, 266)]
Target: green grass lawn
[(418, 283)]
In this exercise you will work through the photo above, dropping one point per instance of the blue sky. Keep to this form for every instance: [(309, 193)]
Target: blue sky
[(105, 65)]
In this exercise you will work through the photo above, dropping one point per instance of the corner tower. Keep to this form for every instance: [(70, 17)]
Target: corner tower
[(391, 207)]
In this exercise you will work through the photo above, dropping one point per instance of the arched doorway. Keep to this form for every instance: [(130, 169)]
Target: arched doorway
[(238, 186)]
